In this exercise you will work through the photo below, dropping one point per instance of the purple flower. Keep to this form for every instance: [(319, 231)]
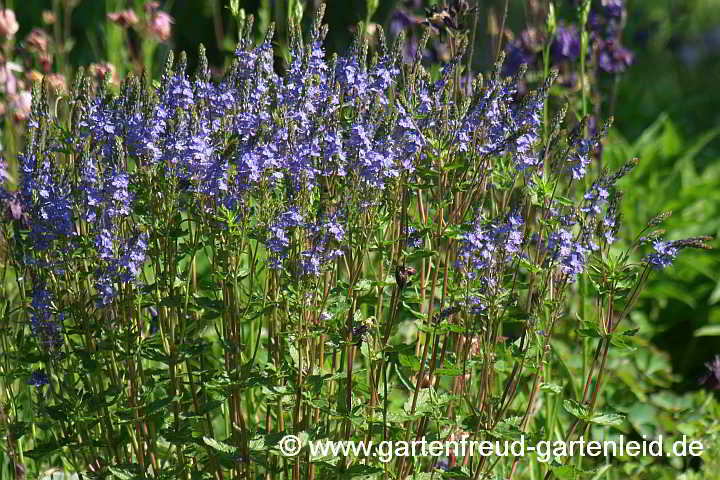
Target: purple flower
[(104, 288), (443, 464), (38, 378), (613, 57), (278, 240), (476, 305), (359, 330), (45, 329), (606, 19), (490, 245), (4, 175), (711, 379), (134, 258), (179, 93), (613, 8), (104, 244), (516, 54), (117, 195), (568, 253), (580, 157), (415, 239), (596, 197), (352, 76), (663, 255), (124, 263), (566, 44), (401, 21)]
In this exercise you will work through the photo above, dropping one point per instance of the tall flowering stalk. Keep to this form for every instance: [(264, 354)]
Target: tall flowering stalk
[(350, 250)]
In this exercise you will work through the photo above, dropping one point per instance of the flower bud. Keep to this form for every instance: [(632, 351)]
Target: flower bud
[(124, 18)]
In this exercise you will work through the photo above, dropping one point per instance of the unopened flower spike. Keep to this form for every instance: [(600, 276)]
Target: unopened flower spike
[(203, 70), (625, 169), (382, 47), (317, 21), (398, 47), (557, 121), (497, 71), (652, 236), (246, 27), (659, 218), (606, 127), (417, 63), (694, 242), (168, 72)]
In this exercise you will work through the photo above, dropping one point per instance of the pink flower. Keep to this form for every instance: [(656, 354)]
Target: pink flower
[(8, 82), (21, 105), (150, 7), (8, 24), (56, 82), (101, 70), (37, 40), (124, 18), (160, 25)]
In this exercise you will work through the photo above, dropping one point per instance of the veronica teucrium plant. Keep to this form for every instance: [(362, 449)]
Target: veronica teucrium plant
[(350, 250)]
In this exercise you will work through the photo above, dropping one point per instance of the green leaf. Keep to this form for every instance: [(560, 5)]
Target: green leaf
[(508, 429), (620, 342), (448, 371), (420, 254), (159, 404), (403, 379), (359, 472), (576, 409), (409, 361), (176, 301), (123, 473), (427, 401), (607, 417), (457, 472), (18, 429), (413, 312), (219, 446), (551, 387), (565, 472), (590, 330), (44, 449), (708, 331)]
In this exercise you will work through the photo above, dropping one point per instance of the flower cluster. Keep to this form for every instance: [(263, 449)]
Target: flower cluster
[(16, 77), (606, 22), (45, 326), (664, 252), (302, 173), (319, 238), (38, 378), (605, 27), (490, 244), (155, 23)]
